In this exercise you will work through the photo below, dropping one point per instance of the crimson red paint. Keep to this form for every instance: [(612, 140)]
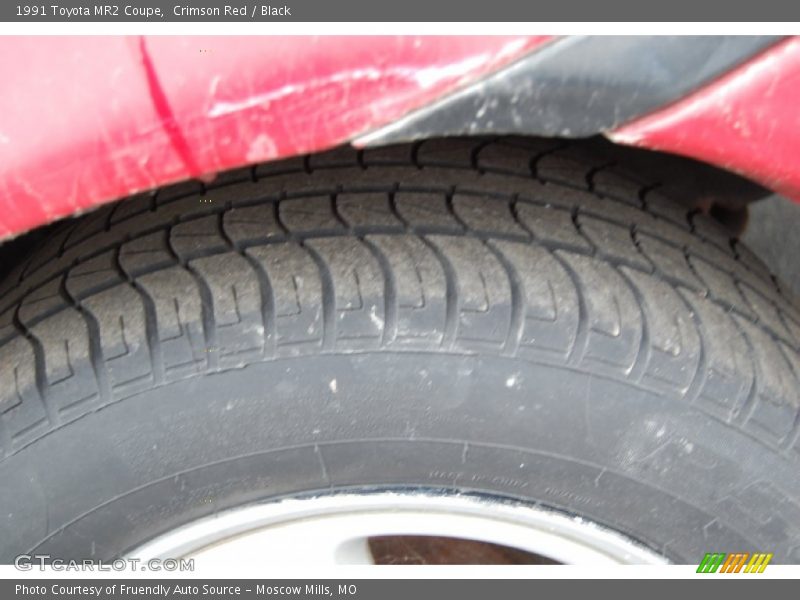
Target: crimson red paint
[(748, 121), (86, 120)]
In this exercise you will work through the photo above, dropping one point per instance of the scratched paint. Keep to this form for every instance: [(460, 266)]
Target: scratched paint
[(86, 120)]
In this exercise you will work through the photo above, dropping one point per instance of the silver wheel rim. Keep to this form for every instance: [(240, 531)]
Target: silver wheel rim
[(335, 528)]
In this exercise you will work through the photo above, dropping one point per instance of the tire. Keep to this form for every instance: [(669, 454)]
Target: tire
[(507, 317)]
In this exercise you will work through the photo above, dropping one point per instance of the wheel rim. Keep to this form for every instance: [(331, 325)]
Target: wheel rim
[(339, 528)]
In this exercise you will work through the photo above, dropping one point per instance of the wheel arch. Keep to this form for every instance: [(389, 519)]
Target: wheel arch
[(135, 114)]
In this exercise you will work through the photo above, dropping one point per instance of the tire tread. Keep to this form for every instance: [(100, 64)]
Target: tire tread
[(529, 248)]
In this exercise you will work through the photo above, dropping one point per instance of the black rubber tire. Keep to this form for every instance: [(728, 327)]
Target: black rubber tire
[(493, 316)]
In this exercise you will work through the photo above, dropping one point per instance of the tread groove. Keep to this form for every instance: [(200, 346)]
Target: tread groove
[(207, 306), (581, 340), (95, 346), (328, 298), (389, 293), (517, 321), (452, 295), (150, 322), (266, 293), (642, 359), (53, 416)]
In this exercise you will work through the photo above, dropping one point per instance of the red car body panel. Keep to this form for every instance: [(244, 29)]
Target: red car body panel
[(748, 121), (87, 120)]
